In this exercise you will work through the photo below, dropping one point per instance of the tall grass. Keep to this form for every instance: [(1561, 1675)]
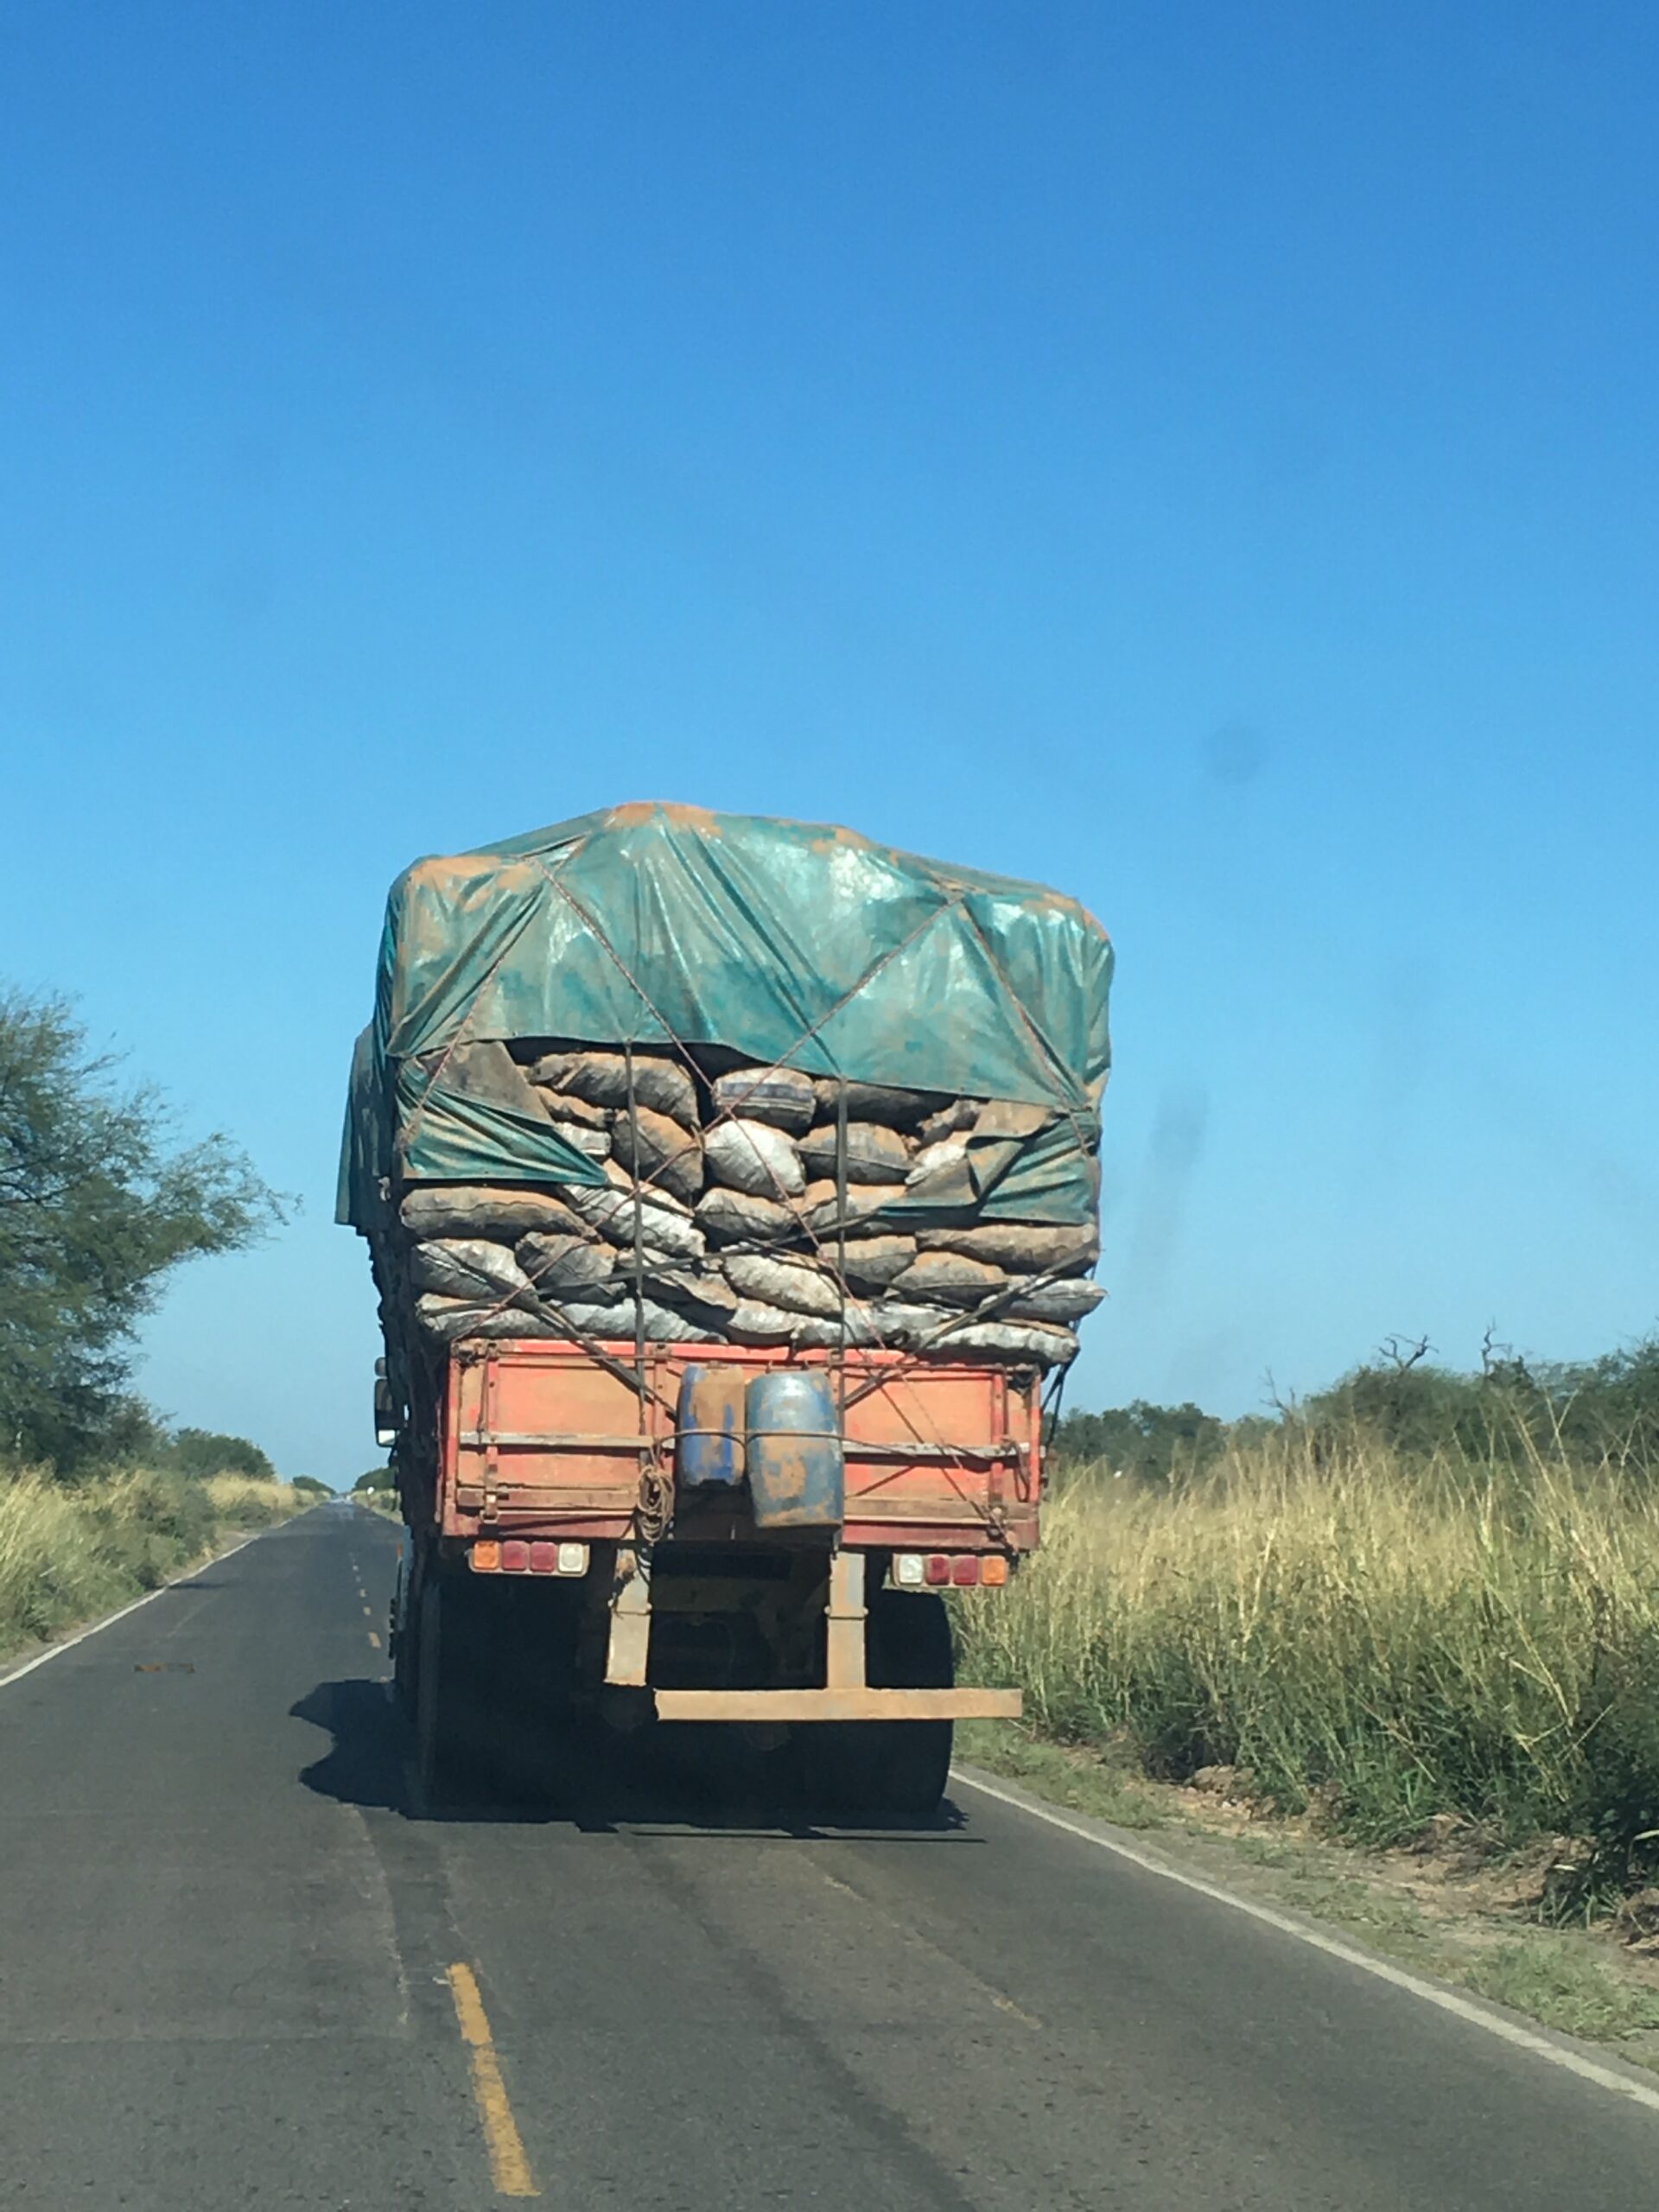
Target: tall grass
[(1380, 1639), (69, 1551)]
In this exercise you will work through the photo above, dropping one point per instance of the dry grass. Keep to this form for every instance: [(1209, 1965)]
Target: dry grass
[(69, 1551), (1380, 1640)]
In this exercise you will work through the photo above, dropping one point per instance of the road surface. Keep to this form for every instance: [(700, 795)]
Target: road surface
[(239, 1966)]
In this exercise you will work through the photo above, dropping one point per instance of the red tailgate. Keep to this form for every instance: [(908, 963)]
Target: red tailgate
[(541, 1437)]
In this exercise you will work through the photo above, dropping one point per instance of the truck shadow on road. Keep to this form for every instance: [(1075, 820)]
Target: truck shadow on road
[(706, 1779)]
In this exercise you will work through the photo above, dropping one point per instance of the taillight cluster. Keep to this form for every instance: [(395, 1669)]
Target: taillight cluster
[(965, 1570), (512, 1555)]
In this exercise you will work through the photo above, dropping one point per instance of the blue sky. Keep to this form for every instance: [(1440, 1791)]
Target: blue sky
[(1200, 457)]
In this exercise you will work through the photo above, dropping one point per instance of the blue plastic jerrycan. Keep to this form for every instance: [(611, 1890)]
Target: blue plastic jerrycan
[(709, 1441), (796, 1462)]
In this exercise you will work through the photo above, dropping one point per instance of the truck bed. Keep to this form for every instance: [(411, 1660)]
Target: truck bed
[(542, 1439)]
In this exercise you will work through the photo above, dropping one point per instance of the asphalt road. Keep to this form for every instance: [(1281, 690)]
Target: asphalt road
[(239, 1966)]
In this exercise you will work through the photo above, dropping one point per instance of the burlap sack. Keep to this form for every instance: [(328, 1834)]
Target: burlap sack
[(558, 1264), (749, 1156), (947, 1278), (874, 1261), (736, 1217), (821, 1211), (616, 1290), (666, 1326), (809, 1332), (875, 1102), (469, 1268), (782, 1097), (792, 1284), (614, 1324), (447, 1318), (661, 1082), (666, 1232), (1022, 1248), (874, 1152), (961, 1114), (936, 1159), (753, 1323), (943, 1335), (620, 1180), (565, 1106), (505, 1211), (666, 1155), (1065, 1302), (703, 1292), (1030, 1342), (596, 1143), (907, 1327)]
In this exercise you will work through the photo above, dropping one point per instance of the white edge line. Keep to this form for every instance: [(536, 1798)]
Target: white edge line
[(97, 1628), (1448, 2001)]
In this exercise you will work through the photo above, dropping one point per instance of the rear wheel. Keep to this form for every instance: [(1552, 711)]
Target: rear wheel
[(445, 1649), (911, 1650), (889, 1766), (494, 1673)]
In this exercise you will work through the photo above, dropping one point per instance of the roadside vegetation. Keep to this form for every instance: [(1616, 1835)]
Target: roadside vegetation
[(379, 1491), (1423, 1605), (99, 1203), (70, 1552)]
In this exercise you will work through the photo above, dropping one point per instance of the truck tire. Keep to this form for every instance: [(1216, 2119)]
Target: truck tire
[(442, 1675), (910, 1649), (404, 1638), (889, 1766)]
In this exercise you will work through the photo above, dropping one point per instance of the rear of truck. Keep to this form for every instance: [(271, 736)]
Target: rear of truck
[(636, 1508)]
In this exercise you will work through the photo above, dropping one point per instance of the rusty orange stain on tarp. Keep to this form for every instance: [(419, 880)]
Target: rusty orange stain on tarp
[(833, 837), (679, 812), (704, 822), (444, 872)]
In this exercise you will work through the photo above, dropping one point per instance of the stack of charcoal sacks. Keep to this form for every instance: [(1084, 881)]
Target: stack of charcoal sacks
[(722, 1220)]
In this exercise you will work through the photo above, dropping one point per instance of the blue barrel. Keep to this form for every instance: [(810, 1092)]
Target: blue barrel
[(708, 1444), (797, 1467)]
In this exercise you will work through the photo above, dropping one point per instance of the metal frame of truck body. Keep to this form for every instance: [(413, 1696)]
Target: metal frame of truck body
[(546, 1440)]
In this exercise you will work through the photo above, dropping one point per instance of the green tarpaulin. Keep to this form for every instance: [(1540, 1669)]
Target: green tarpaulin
[(788, 942)]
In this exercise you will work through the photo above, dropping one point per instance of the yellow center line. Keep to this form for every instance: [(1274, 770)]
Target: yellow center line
[(369, 1612), (508, 2167), (374, 1639)]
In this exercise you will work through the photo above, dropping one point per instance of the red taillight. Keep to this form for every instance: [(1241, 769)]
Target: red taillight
[(938, 1567), (515, 1555), (965, 1569), (543, 1558)]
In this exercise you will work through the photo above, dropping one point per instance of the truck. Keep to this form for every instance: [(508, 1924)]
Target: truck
[(683, 1435)]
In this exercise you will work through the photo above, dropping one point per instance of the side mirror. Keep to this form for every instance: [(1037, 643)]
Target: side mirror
[(385, 1418)]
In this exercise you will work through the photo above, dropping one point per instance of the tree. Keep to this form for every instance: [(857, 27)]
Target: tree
[(201, 1452), (1609, 1408), (377, 1478), (1155, 1444), (98, 1206), (310, 1487)]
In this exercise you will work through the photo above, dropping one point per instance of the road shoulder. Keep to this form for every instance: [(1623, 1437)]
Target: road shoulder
[(16, 1660), (1470, 1928)]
